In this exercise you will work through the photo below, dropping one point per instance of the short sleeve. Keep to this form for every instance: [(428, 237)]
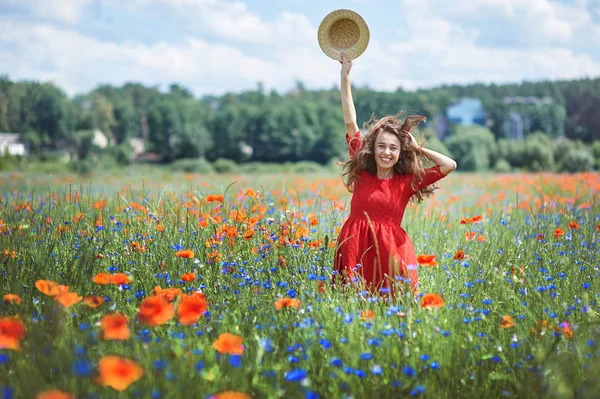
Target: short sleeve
[(431, 175), (354, 143)]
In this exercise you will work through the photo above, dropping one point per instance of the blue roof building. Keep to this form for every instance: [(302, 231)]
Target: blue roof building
[(468, 111)]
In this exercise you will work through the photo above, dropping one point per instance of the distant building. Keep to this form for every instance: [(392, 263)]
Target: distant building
[(513, 126), (138, 145), (467, 111), (10, 143), (527, 100), (100, 139)]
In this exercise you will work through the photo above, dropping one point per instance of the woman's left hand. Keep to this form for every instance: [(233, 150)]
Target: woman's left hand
[(413, 140)]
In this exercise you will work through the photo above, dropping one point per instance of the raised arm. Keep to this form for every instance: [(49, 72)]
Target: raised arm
[(445, 163), (347, 101)]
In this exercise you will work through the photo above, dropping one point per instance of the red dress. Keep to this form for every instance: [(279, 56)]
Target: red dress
[(372, 245)]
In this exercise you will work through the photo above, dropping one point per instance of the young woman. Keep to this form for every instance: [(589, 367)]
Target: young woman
[(384, 173)]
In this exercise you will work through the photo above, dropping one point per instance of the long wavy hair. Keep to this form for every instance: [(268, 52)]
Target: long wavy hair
[(411, 160)]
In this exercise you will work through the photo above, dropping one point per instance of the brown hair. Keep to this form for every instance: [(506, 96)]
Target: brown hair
[(411, 159)]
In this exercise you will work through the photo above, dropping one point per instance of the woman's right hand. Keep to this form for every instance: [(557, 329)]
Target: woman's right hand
[(346, 65)]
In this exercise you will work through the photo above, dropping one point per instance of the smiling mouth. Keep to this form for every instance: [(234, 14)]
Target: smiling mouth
[(386, 159)]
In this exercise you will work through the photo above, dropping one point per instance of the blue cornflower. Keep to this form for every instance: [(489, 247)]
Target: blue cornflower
[(408, 371), (82, 368), (376, 370), (296, 375), (325, 343), (366, 356), (7, 392), (235, 360), (159, 364), (360, 373), (266, 344), (417, 390)]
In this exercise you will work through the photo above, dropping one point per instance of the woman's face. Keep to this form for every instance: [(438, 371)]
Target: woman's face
[(387, 150)]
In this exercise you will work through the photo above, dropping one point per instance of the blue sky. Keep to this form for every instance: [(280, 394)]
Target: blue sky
[(218, 46)]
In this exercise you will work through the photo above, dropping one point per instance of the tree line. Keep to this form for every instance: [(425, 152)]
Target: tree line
[(300, 125)]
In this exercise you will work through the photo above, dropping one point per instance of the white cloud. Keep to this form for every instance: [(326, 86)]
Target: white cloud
[(78, 63), (68, 11), (535, 21)]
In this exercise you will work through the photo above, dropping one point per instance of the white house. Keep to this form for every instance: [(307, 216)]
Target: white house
[(10, 143), (100, 139)]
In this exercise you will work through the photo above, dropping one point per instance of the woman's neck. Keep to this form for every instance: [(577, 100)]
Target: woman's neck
[(385, 173)]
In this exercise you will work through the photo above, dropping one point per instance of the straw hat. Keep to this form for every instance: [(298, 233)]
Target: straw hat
[(343, 31)]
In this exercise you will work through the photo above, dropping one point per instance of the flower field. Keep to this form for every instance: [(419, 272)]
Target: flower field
[(173, 285)]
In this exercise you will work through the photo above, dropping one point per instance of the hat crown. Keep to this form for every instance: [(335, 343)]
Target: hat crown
[(343, 31), (343, 34)]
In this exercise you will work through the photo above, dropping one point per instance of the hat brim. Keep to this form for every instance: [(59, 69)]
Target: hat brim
[(355, 46)]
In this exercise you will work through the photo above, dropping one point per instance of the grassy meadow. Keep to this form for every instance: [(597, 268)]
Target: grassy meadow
[(167, 285)]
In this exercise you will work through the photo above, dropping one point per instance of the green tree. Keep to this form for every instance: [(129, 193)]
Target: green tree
[(538, 154), (473, 147)]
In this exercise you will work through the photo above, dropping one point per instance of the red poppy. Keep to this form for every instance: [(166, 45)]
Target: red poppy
[(155, 311), (191, 308), (469, 235), (459, 255), (188, 277), (115, 327), (47, 287), (119, 279), (427, 260), (68, 299), (286, 303), (118, 373), (93, 301), (559, 233), (431, 301), (54, 394), (186, 254), (12, 331), (12, 298), (230, 395), (507, 321), (229, 343), (101, 278), (367, 314), (168, 294)]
